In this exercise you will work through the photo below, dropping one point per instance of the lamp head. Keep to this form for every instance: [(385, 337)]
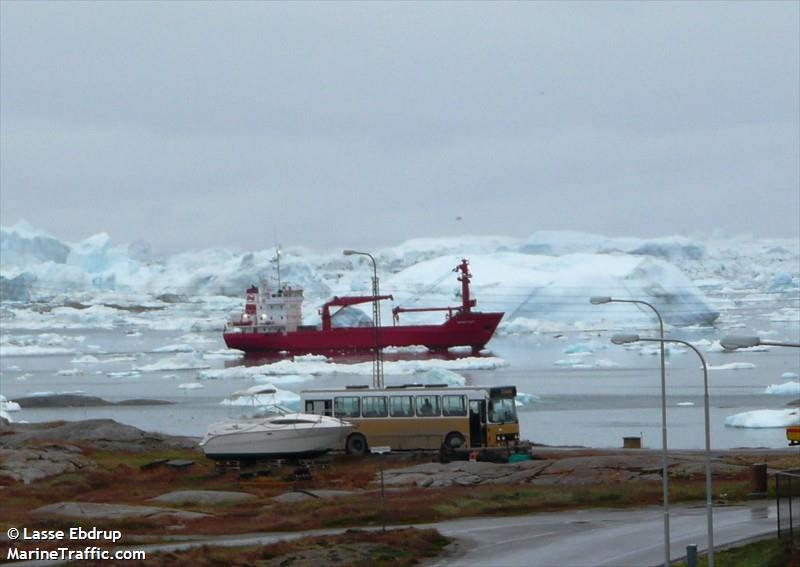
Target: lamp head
[(624, 339), (732, 342), (348, 252), (600, 299)]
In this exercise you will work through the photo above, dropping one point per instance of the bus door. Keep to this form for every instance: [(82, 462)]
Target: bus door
[(319, 407), (477, 423)]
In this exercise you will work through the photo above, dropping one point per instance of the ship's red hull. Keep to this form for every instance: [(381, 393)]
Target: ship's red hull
[(471, 329)]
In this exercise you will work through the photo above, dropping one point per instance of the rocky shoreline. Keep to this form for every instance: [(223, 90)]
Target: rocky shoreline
[(35, 451)]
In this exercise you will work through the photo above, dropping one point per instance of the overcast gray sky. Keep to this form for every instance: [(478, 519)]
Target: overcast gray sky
[(361, 124)]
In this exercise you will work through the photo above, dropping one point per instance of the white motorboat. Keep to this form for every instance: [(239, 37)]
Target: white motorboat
[(275, 432)]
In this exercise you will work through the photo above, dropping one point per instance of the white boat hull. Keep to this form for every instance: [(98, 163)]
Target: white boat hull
[(258, 439)]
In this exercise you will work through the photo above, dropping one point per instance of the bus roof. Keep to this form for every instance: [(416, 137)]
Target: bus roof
[(493, 391)]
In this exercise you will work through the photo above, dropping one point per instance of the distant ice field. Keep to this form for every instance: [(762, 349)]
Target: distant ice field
[(116, 322)]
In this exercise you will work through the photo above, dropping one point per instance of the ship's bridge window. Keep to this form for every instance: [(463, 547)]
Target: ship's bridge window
[(347, 406)]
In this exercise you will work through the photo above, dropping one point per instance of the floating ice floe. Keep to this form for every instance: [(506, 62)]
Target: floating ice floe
[(789, 375), (85, 359), (310, 358), (395, 367), (524, 399), (785, 389), (406, 349), (223, 354), (287, 379), (181, 361), (69, 372), (602, 363), (764, 418), (175, 348), (733, 366), (439, 376), (578, 348), (685, 404), (33, 350), (197, 339), (91, 359), (124, 374), (190, 386)]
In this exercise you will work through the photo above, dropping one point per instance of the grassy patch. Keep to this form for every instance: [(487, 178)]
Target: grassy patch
[(393, 548), (766, 553)]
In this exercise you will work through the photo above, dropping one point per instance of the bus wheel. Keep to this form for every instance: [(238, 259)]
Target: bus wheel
[(356, 444), (455, 440)]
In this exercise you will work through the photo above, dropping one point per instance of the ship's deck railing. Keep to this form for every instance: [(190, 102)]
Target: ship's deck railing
[(235, 326)]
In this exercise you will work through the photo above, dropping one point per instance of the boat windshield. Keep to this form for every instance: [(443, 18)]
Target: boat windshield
[(502, 410), (251, 407)]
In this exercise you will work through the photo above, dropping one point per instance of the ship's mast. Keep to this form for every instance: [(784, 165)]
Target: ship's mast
[(278, 264), (466, 303)]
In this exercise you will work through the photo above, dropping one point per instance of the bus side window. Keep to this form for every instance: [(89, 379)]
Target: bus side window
[(347, 406), (402, 406), (374, 406), (453, 405), (427, 406)]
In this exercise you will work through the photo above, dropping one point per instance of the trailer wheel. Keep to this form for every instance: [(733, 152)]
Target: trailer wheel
[(356, 445), (454, 440)]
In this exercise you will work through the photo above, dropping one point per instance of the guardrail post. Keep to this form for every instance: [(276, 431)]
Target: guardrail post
[(691, 555)]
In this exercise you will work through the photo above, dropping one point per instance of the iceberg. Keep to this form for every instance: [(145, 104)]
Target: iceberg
[(23, 245), (733, 366), (558, 288), (785, 389), (253, 397), (764, 418), (524, 399), (560, 243)]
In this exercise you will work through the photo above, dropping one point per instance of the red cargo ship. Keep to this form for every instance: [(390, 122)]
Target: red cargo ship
[(271, 322)]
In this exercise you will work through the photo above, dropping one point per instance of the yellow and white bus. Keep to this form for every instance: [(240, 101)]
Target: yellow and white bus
[(415, 416)]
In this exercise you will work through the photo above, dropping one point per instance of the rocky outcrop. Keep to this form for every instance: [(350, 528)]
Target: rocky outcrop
[(581, 470), (203, 497), (80, 400), (98, 433), (113, 511), (28, 464)]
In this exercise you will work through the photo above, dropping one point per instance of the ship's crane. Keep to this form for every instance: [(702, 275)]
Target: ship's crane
[(466, 303), (345, 302)]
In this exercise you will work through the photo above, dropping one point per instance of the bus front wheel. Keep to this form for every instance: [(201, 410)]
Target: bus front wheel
[(455, 440), (356, 445)]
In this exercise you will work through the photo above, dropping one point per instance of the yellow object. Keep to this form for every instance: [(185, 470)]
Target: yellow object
[(793, 434)]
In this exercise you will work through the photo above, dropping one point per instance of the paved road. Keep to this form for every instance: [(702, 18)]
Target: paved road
[(576, 538), (617, 538)]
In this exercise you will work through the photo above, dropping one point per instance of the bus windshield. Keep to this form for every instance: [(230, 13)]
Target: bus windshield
[(502, 410)]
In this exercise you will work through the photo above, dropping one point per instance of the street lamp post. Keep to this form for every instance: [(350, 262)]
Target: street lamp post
[(626, 339), (732, 342), (377, 361), (598, 300)]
